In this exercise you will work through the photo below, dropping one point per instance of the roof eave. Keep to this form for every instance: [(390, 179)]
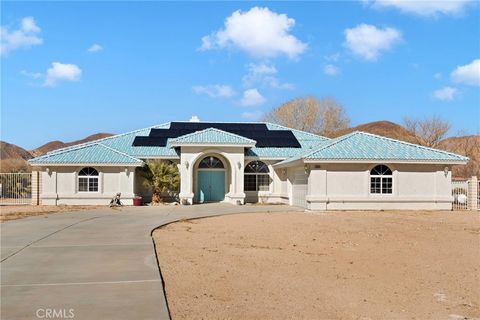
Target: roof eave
[(285, 164), (462, 162), (97, 164), (240, 145)]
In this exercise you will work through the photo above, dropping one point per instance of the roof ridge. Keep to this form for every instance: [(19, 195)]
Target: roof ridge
[(103, 139), (82, 146), (297, 130), (66, 149), (331, 143), (411, 144), (210, 129), (264, 122), (119, 152)]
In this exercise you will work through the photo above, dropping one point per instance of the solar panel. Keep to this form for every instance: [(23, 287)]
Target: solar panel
[(146, 141), (256, 131)]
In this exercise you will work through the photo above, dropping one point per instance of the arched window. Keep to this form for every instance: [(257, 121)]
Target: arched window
[(210, 163), (381, 180), (88, 180), (256, 177)]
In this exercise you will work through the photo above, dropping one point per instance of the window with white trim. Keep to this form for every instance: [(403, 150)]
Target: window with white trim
[(256, 177), (381, 180), (88, 180)]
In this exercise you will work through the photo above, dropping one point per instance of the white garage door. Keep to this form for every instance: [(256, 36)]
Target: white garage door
[(299, 189)]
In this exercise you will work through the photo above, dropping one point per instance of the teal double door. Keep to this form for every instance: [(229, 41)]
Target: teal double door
[(210, 185)]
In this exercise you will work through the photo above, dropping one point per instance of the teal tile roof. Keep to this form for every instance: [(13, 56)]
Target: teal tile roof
[(118, 149), (211, 136), (123, 144), (93, 153), (365, 146)]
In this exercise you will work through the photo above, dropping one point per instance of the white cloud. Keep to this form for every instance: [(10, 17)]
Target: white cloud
[(263, 73), (424, 7), (445, 94), (368, 41), (252, 97), (332, 57), (95, 48), (259, 32), (331, 70), (23, 37), (33, 75), (276, 84), (62, 72), (467, 74), (254, 115), (215, 90)]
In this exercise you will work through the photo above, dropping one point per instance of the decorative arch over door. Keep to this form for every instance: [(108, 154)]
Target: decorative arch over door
[(211, 162), (210, 180)]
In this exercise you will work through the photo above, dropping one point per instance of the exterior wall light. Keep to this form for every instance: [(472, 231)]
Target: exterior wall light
[(47, 170), (187, 164), (445, 170), (239, 164), (126, 170), (307, 169)]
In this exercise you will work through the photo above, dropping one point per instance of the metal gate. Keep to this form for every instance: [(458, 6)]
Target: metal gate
[(15, 188), (299, 189), (460, 195), (478, 195)]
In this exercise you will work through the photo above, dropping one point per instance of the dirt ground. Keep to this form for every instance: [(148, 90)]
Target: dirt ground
[(22, 211), (343, 265)]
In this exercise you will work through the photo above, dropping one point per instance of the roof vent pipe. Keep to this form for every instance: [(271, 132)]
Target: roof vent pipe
[(194, 118)]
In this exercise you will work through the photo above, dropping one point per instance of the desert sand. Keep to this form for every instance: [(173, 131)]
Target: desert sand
[(342, 265), (8, 213)]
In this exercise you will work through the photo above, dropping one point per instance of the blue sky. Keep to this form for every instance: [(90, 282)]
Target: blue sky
[(73, 69)]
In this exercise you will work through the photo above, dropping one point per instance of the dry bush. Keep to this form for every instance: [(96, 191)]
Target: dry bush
[(324, 116), (14, 165), (427, 131)]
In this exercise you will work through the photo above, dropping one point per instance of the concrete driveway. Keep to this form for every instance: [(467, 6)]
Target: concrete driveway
[(98, 264)]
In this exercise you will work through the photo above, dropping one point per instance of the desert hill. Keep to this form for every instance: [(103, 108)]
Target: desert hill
[(54, 145), (14, 158), (382, 128)]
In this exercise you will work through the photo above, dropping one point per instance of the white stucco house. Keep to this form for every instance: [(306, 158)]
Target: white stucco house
[(253, 162)]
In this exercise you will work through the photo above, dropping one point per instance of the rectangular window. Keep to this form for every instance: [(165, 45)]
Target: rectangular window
[(375, 185), (256, 182), (386, 185), (263, 182), (83, 184), (381, 185), (88, 184), (93, 185), (250, 183)]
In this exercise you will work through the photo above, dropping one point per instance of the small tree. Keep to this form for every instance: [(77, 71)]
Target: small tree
[(324, 116), (428, 131), (162, 177)]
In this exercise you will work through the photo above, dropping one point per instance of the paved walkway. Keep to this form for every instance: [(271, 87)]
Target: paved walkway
[(101, 264)]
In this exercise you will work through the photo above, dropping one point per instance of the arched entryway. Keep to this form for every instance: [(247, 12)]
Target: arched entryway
[(211, 180)]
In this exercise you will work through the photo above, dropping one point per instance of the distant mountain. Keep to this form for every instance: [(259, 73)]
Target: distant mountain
[(14, 158), (382, 128), (54, 145), (11, 151)]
